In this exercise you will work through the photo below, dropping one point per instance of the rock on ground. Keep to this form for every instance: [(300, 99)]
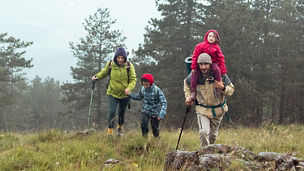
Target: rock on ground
[(221, 157)]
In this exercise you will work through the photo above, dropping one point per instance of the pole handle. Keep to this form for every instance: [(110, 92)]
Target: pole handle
[(188, 109), (93, 85)]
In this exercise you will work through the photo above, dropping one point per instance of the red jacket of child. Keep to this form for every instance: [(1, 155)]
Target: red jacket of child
[(213, 49)]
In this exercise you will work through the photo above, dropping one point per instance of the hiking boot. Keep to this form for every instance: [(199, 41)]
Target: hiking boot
[(119, 130), (110, 131), (193, 95)]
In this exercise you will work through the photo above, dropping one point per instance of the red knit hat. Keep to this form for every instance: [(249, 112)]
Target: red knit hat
[(149, 77)]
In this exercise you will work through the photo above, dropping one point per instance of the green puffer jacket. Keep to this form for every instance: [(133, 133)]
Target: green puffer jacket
[(119, 79)]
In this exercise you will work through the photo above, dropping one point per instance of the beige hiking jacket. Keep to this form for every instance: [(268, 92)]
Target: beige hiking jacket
[(206, 96)]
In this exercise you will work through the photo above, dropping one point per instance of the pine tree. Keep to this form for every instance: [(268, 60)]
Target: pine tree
[(92, 52), (239, 28), (169, 41), (288, 33), (12, 63)]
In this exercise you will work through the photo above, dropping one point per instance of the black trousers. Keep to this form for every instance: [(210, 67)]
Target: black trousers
[(145, 117)]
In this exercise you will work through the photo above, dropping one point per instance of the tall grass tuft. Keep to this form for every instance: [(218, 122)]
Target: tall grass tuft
[(7, 141)]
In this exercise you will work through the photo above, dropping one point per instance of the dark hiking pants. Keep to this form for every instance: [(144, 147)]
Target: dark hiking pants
[(145, 117), (113, 102)]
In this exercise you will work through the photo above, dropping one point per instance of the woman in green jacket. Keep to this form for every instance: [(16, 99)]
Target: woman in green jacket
[(122, 82)]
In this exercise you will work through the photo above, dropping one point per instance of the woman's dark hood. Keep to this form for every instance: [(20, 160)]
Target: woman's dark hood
[(120, 52)]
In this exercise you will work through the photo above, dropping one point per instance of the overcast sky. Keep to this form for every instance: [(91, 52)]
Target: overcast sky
[(52, 24)]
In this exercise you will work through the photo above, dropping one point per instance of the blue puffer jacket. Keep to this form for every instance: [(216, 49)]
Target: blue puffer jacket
[(155, 102)]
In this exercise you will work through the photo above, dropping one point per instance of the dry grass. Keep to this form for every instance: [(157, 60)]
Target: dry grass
[(55, 150)]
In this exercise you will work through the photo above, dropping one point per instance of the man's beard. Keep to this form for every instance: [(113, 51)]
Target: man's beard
[(205, 72)]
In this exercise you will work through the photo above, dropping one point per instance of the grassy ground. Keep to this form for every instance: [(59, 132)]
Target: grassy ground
[(55, 150)]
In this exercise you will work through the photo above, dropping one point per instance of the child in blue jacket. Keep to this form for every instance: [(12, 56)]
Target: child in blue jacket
[(154, 107)]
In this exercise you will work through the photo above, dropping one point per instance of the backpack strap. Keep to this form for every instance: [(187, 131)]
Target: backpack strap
[(109, 74), (142, 90), (213, 107), (128, 71), (110, 68), (156, 91)]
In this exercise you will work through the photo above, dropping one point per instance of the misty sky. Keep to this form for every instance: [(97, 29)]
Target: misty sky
[(52, 24)]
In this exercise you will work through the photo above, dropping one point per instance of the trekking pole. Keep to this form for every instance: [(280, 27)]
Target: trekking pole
[(180, 134), (89, 115)]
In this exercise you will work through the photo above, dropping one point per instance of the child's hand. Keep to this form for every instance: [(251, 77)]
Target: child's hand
[(193, 71)]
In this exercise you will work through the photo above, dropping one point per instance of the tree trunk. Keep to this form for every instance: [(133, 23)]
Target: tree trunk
[(282, 102), (273, 110)]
